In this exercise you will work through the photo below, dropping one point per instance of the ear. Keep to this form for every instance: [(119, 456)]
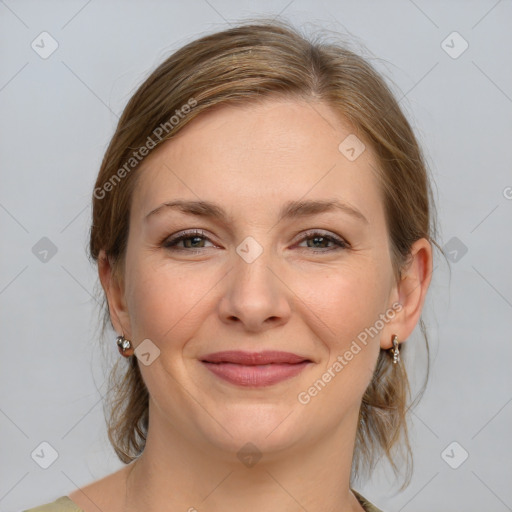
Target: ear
[(410, 293), (114, 291)]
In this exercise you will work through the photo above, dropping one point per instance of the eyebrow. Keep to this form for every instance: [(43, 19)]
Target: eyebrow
[(291, 210)]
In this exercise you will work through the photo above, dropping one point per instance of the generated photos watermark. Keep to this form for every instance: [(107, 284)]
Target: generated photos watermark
[(137, 156), (304, 397)]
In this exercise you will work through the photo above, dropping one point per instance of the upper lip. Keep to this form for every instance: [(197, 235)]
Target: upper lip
[(253, 358)]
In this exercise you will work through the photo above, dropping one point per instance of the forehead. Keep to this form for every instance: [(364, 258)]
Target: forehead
[(259, 155)]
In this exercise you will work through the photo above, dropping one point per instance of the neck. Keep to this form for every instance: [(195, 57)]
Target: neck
[(175, 473)]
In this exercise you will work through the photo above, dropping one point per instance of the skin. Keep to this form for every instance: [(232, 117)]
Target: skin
[(297, 296)]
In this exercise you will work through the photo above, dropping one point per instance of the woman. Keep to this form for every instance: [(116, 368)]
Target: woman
[(262, 225)]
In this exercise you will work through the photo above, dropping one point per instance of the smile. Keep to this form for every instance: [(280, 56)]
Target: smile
[(255, 369)]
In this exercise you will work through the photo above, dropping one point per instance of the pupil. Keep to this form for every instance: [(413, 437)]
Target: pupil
[(194, 239)]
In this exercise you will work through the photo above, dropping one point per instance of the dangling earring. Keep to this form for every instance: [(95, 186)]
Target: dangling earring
[(395, 350), (124, 346)]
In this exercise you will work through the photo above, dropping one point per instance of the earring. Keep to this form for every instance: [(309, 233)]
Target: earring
[(395, 350), (124, 346)]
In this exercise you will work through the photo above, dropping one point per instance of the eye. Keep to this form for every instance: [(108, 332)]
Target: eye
[(319, 239), (193, 241), (189, 238)]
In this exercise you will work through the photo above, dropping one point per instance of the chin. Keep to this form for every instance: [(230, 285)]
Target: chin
[(268, 428)]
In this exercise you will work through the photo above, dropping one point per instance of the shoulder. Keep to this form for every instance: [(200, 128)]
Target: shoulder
[(62, 504), (100, 495), (367, 506)]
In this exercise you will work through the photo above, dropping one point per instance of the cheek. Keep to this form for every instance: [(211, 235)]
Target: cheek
[(165, 302), (349, 300), (344, 306), (341, 304)]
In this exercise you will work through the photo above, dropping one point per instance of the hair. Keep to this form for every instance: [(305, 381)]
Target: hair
[(248, 63)]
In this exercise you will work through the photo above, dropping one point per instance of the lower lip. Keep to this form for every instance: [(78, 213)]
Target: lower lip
[(255, 375)]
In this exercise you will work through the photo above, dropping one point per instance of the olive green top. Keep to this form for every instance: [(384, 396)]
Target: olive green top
[(64, 504)]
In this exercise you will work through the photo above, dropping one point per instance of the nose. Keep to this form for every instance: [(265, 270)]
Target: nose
[(255, 294)]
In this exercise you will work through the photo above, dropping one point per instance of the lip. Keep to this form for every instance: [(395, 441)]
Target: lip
[(253, 358), (255, 369)]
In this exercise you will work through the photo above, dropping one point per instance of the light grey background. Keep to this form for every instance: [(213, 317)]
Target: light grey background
[(57, 116)]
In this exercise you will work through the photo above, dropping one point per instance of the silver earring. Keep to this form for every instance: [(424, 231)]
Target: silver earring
[(124, 346), (395, 350)]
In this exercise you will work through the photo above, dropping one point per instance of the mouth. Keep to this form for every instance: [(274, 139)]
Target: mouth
[(255, 369)]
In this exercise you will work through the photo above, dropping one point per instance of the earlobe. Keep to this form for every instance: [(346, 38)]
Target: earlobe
[(411, 290)]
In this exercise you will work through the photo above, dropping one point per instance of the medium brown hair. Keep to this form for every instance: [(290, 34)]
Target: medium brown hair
[(252, 61)]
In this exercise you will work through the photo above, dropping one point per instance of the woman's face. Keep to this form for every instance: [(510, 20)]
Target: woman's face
[(308, 283)]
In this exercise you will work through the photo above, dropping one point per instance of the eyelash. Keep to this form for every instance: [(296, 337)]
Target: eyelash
[(170, 243)]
